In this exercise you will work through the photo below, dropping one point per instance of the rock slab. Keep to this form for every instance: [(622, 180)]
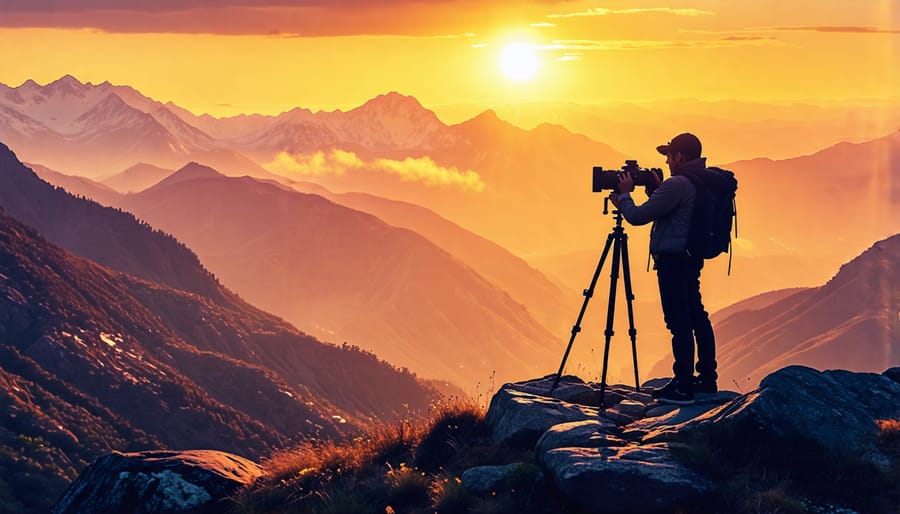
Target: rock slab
[(518, 419), (157, 482), (623, 480)]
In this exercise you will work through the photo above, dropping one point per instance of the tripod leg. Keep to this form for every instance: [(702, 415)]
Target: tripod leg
[(588, 293), (629, 299), (611, 309)]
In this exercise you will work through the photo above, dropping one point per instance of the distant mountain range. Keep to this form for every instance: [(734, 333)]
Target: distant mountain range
[(99, 130), (730, 129), (849, 323)]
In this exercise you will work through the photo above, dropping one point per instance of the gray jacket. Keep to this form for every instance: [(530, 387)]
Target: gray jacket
[(669, 208)]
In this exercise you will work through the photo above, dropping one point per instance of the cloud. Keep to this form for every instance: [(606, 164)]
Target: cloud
[(312, 165), (747, 38), (838, 29), (586, 45), (600, 11), (821, 29), (176, 5), (309, 18), (338, 162)]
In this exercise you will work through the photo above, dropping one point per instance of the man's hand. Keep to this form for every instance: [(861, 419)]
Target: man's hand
[(626, 183)]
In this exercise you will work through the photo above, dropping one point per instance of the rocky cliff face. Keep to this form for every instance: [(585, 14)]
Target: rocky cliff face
[(625, 457)]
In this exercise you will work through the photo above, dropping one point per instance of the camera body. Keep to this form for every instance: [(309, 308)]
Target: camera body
[(609, 179)]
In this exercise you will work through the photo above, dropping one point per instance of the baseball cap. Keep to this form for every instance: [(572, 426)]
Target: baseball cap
[(687, 143)]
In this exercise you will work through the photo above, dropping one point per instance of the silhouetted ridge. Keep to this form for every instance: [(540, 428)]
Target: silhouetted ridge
[(190, 171), (105, 235), (850, 322)]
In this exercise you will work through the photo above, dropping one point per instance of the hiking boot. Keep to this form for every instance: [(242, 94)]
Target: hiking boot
[(705, 385), (674, 393)]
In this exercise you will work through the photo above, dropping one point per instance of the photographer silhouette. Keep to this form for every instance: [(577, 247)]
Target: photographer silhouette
[(670, 206)]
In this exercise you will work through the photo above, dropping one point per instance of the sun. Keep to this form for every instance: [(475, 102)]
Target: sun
[(519, 62)]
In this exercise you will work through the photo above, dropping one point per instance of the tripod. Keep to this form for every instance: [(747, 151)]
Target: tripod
[(618, 240)]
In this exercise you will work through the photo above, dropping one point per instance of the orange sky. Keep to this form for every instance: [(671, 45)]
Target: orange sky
[(223, 57)]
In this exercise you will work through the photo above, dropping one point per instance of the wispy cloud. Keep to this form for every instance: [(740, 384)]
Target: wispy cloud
[(338, 162), (278, 18), (175, 5), (836, 29), (585, 45), (845, 29), (600, 11)]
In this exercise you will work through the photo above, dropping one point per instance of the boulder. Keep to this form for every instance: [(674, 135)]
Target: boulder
[(623, 480), (157, 482), (484, 480), (518, 419), (834, 410), (593, 433)]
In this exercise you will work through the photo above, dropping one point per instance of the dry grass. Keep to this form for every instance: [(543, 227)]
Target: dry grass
[(889, 436), (375, 468)]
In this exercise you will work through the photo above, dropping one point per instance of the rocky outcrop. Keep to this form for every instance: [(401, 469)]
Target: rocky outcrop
[(618, 459), (157, 482), (835, 410), (596, 462)]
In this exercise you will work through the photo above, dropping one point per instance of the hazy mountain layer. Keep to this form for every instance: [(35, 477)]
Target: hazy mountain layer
[(347, 276), (512, 274), (137, 178)]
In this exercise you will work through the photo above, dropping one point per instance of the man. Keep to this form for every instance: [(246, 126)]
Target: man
[(669, 207)]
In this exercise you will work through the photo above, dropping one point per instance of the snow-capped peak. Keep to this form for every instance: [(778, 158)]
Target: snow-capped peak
[(66, 85)]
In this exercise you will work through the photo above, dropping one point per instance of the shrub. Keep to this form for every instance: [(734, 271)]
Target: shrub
[(449, 496), (407, 486), (889, 438)]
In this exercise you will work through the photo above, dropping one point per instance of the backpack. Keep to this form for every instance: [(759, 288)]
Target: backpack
[(714, 207)]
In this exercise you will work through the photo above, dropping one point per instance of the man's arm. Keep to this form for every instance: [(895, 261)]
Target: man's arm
[(660, 203)]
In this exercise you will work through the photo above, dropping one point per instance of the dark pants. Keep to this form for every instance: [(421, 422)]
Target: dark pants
[(679, 291)]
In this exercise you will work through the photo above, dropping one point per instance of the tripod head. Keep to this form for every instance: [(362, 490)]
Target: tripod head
[(616, 212)]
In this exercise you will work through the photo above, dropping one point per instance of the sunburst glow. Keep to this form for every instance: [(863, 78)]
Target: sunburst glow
[(519, 62)]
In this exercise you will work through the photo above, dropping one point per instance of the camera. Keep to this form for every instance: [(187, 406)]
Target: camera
[(609, 179)]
